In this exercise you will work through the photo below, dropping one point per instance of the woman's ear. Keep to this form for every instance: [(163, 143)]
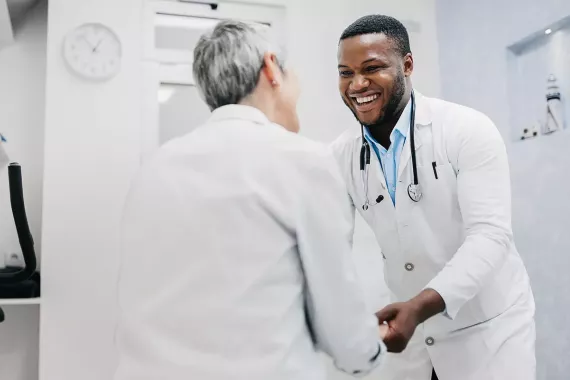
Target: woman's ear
[(271, 69)]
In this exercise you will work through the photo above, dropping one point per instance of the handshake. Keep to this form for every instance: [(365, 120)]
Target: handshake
[(398, 321)]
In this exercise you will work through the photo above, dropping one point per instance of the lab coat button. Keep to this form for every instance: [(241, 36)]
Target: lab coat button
[(409, 267), (430, 341)]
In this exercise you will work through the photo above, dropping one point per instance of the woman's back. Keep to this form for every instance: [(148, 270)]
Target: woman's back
[(218, 291)]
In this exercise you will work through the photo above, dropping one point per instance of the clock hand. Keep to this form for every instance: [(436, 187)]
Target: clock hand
[(96, 46), (88, 42)]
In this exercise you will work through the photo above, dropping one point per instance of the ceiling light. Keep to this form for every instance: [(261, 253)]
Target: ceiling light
[(548, 31)]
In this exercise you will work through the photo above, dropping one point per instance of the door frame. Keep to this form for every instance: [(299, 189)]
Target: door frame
[(168, 66)]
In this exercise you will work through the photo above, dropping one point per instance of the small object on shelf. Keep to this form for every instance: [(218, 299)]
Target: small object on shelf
[(531, 132), (554, 110)]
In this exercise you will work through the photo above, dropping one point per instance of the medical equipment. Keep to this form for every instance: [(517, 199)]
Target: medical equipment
[(414, 188), (20, 282)]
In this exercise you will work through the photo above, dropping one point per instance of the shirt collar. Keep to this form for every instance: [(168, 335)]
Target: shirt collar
[(239, 112), (403, 124)]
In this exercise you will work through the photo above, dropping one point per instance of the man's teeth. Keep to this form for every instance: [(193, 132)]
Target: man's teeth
[(367, 99)]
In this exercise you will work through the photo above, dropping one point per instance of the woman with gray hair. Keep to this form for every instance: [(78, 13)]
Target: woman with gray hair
[(254, 225)]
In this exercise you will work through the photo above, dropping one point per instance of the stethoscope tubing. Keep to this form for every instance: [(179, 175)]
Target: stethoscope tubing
[(414, 190)]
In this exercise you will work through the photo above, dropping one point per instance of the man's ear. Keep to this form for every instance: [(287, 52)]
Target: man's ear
[(408, 64)]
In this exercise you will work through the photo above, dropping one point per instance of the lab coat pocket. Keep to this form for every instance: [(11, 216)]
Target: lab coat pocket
[(439, 185)]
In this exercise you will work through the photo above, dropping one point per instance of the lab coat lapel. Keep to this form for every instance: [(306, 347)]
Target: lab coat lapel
[(423, 118), (377, 184), (406, 154), (384, 211)]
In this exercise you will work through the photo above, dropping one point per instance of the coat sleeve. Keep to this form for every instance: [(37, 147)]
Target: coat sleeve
[(479, 157), (341, 322), (338, 149)]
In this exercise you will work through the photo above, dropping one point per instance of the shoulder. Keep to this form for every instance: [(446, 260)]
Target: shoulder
[(469, 136), (343, 146), (461, 124), (308, 156), (449, 113), (456, 116)]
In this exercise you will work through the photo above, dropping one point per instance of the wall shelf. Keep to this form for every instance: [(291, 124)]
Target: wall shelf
[(20, 301)]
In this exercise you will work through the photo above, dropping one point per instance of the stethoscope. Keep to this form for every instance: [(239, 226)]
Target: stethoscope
[(414, 188)]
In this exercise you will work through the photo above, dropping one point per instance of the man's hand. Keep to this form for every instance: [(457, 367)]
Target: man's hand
[(402, 318)]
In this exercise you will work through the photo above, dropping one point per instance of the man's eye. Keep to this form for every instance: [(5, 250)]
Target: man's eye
[(345, 73), (372, 69)]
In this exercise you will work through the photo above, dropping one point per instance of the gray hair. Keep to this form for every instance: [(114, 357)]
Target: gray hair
[(228, 61)]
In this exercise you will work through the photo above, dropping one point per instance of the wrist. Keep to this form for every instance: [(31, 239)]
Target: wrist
[(427, 304)]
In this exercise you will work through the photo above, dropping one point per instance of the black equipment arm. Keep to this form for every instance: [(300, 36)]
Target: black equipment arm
[(22, 228)]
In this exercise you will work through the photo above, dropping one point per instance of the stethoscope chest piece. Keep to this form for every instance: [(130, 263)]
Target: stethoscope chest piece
[(415, 192)]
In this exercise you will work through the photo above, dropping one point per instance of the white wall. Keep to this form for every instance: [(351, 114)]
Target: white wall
[(92, 148), (473, 38), (91, 152), (22, 85)]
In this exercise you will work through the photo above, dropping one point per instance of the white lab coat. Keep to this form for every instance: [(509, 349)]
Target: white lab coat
[(234, 237), (456, 240)]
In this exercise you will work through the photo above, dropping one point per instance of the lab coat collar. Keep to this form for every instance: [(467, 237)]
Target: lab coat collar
[(239, 112), (423, 110), (423, 118)]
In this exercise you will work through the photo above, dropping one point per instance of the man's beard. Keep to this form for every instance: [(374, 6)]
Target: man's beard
[(389, 110)]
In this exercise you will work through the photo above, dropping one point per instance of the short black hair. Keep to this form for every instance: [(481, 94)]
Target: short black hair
[(381, 24)]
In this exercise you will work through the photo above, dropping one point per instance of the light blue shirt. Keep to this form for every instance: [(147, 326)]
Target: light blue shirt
[(390, 158)]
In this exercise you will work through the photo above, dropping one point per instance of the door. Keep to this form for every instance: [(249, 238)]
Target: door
[(173, 106)]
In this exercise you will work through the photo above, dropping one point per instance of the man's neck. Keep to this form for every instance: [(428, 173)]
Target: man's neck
[(381, 131)]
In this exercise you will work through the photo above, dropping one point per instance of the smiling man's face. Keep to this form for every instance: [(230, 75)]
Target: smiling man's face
[(372, 77)]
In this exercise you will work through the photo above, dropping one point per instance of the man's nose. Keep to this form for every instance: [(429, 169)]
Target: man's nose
[(359, 83)]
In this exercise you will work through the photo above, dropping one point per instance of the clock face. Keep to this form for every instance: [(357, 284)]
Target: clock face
[(93, 51)]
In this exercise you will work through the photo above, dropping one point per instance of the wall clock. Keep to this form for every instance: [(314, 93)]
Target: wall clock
[(93, 51)]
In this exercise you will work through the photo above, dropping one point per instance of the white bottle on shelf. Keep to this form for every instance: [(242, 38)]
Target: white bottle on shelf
[(554, 109)]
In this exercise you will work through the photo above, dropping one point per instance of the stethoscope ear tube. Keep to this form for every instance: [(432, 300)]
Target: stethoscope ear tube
[(414, 189), (364, 151), (413, 140), (362, 155)]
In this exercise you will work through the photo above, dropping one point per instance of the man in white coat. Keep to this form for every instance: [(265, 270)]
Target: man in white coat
[(463, 307), (236, 258)]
